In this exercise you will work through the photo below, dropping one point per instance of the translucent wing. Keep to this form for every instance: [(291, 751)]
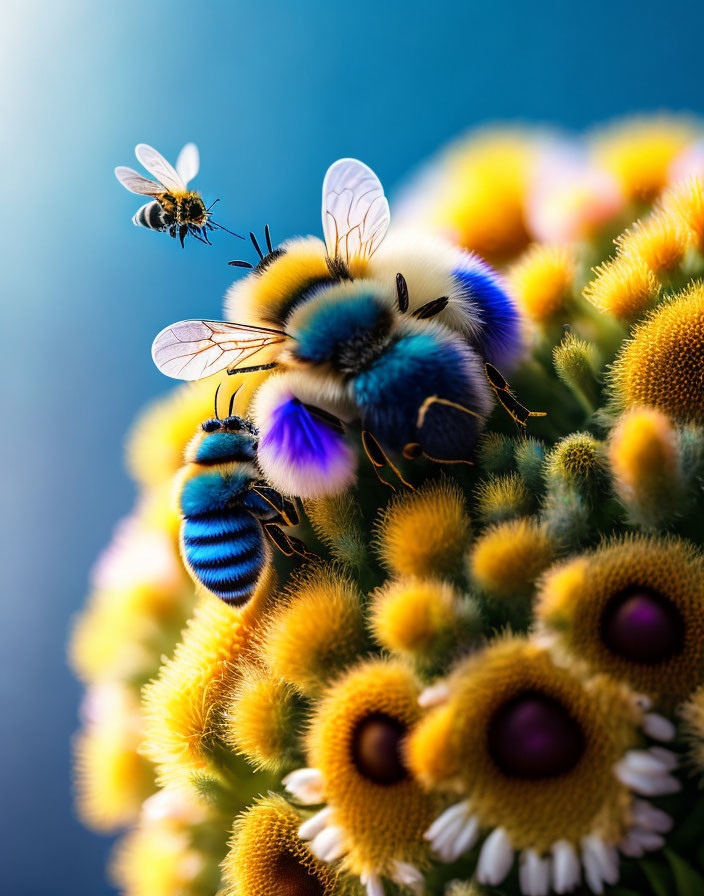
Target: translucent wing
[(188, 163), (355, 211), (193, 349), (159, 168), (135, 183)]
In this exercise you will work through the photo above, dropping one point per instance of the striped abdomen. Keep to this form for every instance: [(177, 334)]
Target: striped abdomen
[(225, 551), (152, 217)]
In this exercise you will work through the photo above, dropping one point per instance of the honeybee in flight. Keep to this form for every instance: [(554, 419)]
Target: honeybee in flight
[(402, 341), (174, 208)]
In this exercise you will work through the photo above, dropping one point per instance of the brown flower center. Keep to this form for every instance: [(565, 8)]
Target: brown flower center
[(294, 879), (376, 749)]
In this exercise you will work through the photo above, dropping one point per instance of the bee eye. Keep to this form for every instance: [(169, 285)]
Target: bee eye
[(211, 425)]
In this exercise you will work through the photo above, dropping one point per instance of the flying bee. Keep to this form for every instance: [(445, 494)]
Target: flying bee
[(229, 514), (174, 208), (355, 339)]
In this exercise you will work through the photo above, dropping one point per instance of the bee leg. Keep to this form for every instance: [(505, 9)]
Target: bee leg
[(430, 309), (288, 544), (507, 399), (379, 459), (447, 431), (285, 509), (182, 231)]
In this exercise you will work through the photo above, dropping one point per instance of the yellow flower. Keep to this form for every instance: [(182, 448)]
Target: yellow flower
[(261, 719), (508, 557), (315, 630), (267, 857), (575, 362), (660, 366), (686, 201), (692, 713), (112, 779), (546, 761), (183, 705), (639, 153), (421, 618), (625, 287), (645, 464), (542, 281), (577, 460), (634, 609), (502, 497), (376, 811), (425, 533), (336, 520), (660, 242)]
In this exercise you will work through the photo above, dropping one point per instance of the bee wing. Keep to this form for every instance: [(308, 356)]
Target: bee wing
[(159, 168), (355, 211), (135, 183), (188, 163), (193, 349)]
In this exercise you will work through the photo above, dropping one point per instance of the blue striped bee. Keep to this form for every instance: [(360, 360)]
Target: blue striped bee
[(402, 340), (229, 514), (174, 209)]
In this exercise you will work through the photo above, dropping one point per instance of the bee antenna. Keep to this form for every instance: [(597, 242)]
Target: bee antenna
[(267, 234), (212, 204), (216, 401), (256, 245), (240, 264), (220, 227), (232, 401)]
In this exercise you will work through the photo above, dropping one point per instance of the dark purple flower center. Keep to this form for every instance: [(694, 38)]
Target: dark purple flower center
[(294, 879), (376, 749), (534, 736), (642, 626)]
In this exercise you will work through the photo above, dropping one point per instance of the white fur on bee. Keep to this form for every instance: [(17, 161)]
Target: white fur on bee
[(427, 264)]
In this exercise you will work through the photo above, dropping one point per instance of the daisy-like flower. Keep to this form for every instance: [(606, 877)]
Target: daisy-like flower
[(267, 856), (375, 811), (548, 765), (633, 608)]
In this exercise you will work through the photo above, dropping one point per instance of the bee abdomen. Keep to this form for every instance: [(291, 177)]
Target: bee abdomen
[(151, 216), (225, 552)]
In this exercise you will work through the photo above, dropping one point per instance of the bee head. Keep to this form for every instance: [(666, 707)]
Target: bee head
[(231, 423)]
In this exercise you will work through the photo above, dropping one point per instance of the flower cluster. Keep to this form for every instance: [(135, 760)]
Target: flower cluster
[(384, 630)]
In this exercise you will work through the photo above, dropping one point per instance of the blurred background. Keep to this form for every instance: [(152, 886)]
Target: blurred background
[(272, 93)]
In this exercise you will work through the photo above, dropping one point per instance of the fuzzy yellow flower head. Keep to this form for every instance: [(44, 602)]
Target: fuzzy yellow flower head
[(262, 718), (183, 704), (376, 811), (660, 242), (577, 460), (541, 757), (625, 287), (693, 718), (660, 366), (426, 532), (266, 855), (634, 609), (508, 557), (502, 497), (639, 153), (315, 631), (112, 778), (542, 281), (421, 617), (686, 201)]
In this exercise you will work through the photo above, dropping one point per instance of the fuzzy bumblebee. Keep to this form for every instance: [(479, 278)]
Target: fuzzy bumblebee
[(229, 515)]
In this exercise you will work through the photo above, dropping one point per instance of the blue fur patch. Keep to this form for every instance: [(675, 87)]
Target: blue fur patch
[(392, 391), (301, 439), (211, 491), (331, 324), (500, 340), (220, 447)]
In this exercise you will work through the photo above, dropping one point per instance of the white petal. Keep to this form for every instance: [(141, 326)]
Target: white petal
[(534, 874), (467, 837), (643, 762), (646, 785), (373, 884), (630, 846), (565, 867), (645, 703), (665, 757), (495, 858), (329, 844), (435, 694), (599, 860), (451, 817), (658, 727), (306, 784), (314, 825), (409, 876), (649, 817), (649, 841)]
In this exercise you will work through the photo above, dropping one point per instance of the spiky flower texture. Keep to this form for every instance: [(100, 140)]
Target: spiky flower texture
[(454, 676)]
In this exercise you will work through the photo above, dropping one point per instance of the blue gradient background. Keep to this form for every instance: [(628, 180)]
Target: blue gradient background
[(272, 93)]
